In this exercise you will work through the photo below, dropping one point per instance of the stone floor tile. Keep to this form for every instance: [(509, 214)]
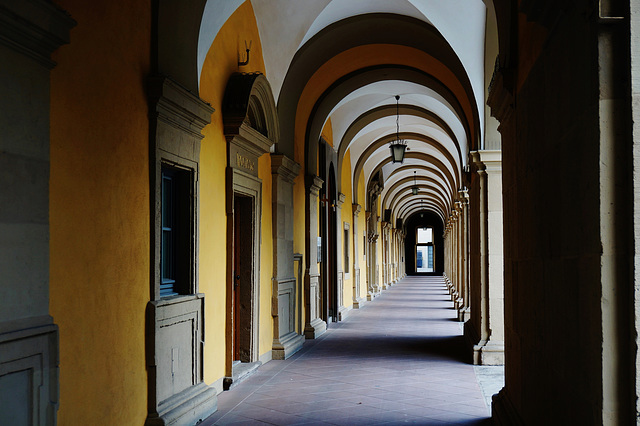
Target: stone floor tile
[(400, 359)]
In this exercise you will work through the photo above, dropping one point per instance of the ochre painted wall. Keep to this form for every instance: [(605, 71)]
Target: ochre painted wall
[(347, 216), (362, 230), (220, 63), (99, 212)]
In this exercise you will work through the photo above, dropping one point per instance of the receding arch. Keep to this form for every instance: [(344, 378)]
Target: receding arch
[(390, 110), (354, 32), (360, 78), (426, 167), (413, 136), (417, 155)]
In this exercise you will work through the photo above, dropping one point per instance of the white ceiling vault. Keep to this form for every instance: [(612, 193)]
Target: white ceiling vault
[(363, 120)]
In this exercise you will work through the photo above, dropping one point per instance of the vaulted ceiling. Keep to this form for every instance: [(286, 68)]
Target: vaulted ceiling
[(347, 60)]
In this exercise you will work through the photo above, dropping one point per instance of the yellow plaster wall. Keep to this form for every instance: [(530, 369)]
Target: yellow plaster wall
[(220, 63), (347, 216), (362, 229), (99, 212), (327, 132), (266, 257)]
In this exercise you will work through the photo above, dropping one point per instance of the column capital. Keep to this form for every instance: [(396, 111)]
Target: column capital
[(340, 200), (314, 184), (35, 29), (357, 208), (284, 167), (487, 160)]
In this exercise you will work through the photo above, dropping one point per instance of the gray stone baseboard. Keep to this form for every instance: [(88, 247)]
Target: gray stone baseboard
[(29, 366), (194, 404), (343, 312), (287, 346), (464, 314), (240, 371), (315, 329)]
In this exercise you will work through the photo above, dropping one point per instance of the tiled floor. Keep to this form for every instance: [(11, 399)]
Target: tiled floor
[(399, 359)]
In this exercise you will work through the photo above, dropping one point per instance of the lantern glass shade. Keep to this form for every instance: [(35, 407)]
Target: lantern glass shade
[(414, 190), (397, 152)]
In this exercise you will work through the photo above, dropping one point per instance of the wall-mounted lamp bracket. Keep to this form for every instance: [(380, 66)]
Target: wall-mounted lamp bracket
[(248, 49)]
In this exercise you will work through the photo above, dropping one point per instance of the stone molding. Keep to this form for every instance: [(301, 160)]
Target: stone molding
[(31, 354), (34, 28), (487, 160), (340, 200), (250, 112), (176, 394), (356, 208), (284, 167), (176, 106), (314, 184), (501, 97)]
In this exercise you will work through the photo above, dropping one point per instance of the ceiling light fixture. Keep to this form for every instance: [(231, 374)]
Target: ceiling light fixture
[(398, 145), (414, 188)]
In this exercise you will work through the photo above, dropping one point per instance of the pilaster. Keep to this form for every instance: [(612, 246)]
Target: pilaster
[(357, 300), (30, 31), (314, 325), (342, 310), (489, 348), (286, 341), (464, 310)]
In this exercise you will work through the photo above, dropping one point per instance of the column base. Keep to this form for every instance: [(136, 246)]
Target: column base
[(190, 406), (287, 345), (464, 314), (488, 353), (239, 372), (503, 411), (315, 328), (343, 312), (372, 295)]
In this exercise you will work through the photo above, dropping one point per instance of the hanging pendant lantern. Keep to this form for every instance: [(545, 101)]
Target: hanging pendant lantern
[(414, 188), (398, 146)]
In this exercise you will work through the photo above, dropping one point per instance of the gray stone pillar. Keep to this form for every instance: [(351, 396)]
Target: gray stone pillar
[(464, 310), (285, 339), (357, 300), (29, 33), (490, 348), (342, 310), (314, 325)]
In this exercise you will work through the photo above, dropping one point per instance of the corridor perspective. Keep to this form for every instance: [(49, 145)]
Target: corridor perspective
[(196, 193), (399, 360)]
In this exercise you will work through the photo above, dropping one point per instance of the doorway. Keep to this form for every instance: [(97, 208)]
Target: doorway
[(424, 250), (328, 229), (243, 270)]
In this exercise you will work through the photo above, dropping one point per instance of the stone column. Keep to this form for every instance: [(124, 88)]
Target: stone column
[(285, 339), (489, 350), (342, 310), (314, 325), (30, 32), (464, 310), (459, 256), (357, 300), (385, 254)]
